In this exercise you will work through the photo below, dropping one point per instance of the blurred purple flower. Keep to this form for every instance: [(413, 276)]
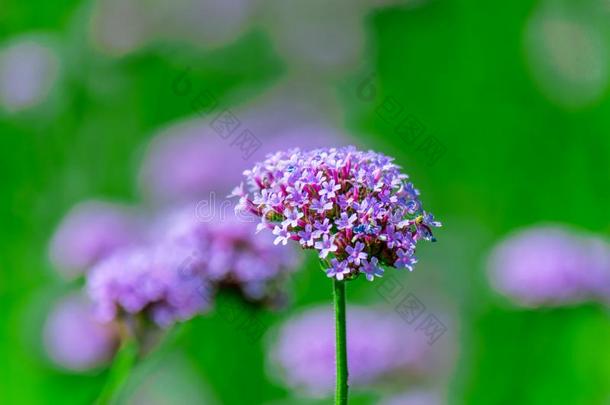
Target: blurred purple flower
[(315, 36), (120, 27), (186, 161), (29, 68), (73, 338), (379, 345), (189, 160), (415, 397), (208, 23), (550, 265), (232, 254), (165, 282), (309, 35), (91, 231)]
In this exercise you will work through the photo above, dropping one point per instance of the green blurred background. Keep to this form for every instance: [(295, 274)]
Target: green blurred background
[(519, 102)]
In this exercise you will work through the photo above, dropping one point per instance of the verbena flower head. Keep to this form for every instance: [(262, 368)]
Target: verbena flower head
[(158, 282), (550, 265), (379, 346), (356, 209), (73, 338)]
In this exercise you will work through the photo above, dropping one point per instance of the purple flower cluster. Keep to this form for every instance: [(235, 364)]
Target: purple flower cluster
[(231, 256), (155, 281), (176, 276), (356, 209), (378, 345), (551, 265)]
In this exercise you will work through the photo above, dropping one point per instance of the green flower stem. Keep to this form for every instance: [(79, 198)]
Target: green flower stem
[(122, 365), (152, 361), (341, 342)]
